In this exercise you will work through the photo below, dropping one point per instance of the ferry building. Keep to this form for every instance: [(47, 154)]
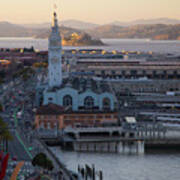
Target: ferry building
[(75, 95)]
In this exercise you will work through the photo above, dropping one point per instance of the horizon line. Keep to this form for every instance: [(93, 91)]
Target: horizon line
[(121, 21)]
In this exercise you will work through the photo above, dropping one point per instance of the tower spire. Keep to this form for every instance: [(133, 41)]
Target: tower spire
[(54, 54), (55, 21)]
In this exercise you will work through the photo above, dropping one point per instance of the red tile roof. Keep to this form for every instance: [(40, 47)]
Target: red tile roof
[(50, 109)]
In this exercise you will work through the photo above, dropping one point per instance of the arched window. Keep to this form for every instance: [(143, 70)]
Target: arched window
[(67, 100), (106, 104), (89, 102)]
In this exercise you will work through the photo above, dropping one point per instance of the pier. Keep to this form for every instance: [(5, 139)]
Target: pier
[(149, 131), (105, 139), (118, 139), (122, 146)]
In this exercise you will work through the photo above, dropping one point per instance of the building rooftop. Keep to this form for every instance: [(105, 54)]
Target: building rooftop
[(156, 99), (83, 84), (50, 109), (111, 60)]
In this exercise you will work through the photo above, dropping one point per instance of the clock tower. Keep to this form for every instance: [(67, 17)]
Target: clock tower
[(54, 55)]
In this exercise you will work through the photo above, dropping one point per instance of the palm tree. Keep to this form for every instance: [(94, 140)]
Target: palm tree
[(5, 135)]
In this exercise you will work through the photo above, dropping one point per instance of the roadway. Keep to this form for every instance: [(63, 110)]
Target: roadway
[(13, 101), (17, 99), (17, 150)]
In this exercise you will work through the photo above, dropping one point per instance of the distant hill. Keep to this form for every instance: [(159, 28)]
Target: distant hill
[(37, 26), (86, 25), (157, 31), (151, 31), (70, 36), (166, 21), (78, 24), (105, 31), (65, 32), (67, 23), (11, 30)]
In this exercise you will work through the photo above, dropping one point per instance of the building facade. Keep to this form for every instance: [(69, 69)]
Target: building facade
[(86, 102), (55, 117), (76, 94), (128, 69), (49, 117), (77, 100)]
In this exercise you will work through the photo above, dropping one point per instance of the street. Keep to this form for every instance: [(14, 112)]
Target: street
[(17, 150)]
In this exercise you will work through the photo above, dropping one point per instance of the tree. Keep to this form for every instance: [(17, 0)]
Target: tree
[(4, 132), (25, 77), (41, 160), (49, 165), (5, 135)]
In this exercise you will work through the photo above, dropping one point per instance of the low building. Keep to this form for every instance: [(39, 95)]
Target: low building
[(49, 117), (89, 118), (144, 86), (130, 68), (55, 117)]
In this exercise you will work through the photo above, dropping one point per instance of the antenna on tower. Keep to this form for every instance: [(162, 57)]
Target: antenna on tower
[(55, 5), (55, 8), (54, 13)]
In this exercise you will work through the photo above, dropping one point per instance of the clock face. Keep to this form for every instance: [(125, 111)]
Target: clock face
[(54, 60)]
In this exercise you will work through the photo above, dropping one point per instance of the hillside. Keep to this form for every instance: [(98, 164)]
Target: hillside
[(166, 21), (157, 31), (65, 32), (70, 36), (78, 24), (74, 24), (106, 31), (154, 31), (12, 30)]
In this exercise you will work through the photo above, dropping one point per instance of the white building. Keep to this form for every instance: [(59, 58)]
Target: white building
[(77, 93), (54, 60)]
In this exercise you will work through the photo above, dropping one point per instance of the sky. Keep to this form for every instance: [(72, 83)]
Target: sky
[(95, 11)]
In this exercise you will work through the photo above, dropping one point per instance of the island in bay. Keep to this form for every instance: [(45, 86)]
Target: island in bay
[(72, 37)]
